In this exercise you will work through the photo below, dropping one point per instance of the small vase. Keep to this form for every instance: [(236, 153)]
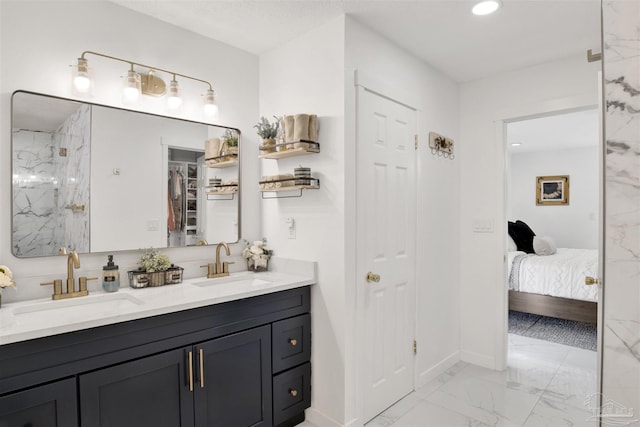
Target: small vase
[(258, 263), (269, 142)]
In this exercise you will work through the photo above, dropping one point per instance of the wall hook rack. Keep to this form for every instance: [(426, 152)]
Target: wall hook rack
[(441, 146)]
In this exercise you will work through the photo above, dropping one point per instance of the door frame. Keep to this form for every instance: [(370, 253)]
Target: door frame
[(372, 84), (549, 108)]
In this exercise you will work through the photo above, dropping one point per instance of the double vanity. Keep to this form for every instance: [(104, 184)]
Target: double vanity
[(227, 351)]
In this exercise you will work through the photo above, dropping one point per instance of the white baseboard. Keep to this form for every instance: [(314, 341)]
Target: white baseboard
[(431, 373), (319, 419), (478, 359)]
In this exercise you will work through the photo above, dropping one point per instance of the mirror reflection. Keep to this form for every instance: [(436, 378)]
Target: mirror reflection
[(92, 178)]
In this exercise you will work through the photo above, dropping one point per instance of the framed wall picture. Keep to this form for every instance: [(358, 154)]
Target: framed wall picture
[(552, 190)]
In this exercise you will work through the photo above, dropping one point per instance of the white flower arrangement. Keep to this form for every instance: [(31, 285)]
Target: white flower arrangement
[(257, 255), (6, 278), (152, 260)]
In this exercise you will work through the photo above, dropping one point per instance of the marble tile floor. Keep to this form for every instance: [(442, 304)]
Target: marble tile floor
[(545, 384)]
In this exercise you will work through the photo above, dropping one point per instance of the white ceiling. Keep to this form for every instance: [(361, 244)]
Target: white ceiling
[(443, 33), (563, 131)]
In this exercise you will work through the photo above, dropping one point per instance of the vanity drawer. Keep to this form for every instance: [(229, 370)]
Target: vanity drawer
[(291, 342), (291, 393)]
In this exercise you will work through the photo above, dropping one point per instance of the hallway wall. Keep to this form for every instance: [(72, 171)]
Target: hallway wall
[(545, 87)]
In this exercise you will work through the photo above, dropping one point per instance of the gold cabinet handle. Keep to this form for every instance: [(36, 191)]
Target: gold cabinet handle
[(591, 280), (293, 342), (190, 371), (293, 392), (201, 368), (372, 277)]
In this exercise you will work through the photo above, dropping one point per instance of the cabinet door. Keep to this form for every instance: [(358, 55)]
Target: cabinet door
[(149, 392), (51, 405), (233, 381)]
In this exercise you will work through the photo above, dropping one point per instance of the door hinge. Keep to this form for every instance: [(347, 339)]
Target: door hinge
[(416, 141), (415, 347)]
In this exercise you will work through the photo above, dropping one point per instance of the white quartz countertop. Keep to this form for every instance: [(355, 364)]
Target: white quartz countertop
[(20, 321)]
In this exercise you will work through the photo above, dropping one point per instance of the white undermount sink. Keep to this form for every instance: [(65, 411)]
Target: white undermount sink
[(237, 279), (91, 306)]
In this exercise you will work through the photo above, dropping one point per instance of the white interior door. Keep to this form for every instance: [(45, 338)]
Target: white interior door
[(386, 247)]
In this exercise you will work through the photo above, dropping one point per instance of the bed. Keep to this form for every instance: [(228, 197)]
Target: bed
[(553, 285)]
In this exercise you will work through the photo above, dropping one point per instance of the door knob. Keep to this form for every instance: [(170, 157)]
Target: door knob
[(591, 280), (372, 277)]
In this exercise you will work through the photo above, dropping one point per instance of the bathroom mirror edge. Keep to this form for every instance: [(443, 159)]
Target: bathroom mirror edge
[(27, 217)]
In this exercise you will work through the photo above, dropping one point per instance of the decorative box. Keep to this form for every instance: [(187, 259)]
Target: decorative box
[(142, 279)]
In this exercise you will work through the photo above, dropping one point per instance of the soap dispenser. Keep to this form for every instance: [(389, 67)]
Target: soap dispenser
[(110, 276)]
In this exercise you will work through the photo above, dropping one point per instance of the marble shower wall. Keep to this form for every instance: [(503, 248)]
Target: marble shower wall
[(35, 193), (46, 183), (621, 332), (72, 225)]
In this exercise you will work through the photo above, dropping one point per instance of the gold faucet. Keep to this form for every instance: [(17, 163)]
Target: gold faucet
[(218, 269), (73, 261)]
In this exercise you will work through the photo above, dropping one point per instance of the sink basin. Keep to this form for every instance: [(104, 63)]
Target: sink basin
[(237, 280), (91, 306)]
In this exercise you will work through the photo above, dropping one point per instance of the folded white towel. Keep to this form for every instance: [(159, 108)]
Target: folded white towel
[(212, 148), (288, 128), (300, 128), (313, 128)]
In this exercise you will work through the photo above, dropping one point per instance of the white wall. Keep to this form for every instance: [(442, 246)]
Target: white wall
[(437, 280), (39, 40), (484, 103), (572, 226), (306, 76)]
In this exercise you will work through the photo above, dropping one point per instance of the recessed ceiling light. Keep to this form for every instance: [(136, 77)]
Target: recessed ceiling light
[(516, 144), (486, 7)]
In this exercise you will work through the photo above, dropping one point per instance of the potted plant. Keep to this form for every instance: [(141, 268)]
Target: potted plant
[(229, 142), (257, 255), (6, 279), (155, 270), (268, 132)]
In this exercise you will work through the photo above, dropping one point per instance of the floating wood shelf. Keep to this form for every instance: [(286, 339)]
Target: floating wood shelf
[(222, 192), (289, 189), (312, 148), (225, 161)]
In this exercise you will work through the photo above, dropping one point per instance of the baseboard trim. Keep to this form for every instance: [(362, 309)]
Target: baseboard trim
[(437, 369), (478, 359), (317, 418)]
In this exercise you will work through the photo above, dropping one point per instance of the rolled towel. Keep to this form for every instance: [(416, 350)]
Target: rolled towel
[(288, 127), (313, 128), (300, 130), (212, 148)]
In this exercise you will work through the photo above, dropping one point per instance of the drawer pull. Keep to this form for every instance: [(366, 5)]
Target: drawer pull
[(293, 392), (293, 342)]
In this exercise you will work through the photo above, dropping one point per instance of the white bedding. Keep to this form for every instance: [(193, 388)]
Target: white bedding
[(561, 274)]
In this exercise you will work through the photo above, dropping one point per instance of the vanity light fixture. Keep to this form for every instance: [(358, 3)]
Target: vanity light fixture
[(149, 83), (173, 97), (486, 7)]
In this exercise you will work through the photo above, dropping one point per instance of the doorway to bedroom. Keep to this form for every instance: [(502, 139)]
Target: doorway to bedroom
[(553, 208)]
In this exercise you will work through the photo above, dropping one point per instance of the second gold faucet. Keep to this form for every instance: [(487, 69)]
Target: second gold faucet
[(219, 269)]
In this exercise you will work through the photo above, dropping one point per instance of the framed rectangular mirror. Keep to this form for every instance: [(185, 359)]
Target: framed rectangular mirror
[(92, 178)]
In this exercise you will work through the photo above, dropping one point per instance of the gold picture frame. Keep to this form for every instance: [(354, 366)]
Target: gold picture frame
[(552, 190)]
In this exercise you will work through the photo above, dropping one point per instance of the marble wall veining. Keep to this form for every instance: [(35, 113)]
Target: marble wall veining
[(46, 183), (621, 332)]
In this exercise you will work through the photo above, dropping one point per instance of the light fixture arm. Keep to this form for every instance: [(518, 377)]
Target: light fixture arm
[(132, 63)]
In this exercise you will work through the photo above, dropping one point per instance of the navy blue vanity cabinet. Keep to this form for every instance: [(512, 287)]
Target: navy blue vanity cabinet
[(50, 405), (151, 391), (292, 369), (204, 367)]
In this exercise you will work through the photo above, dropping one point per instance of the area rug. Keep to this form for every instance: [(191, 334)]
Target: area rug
[(567, 332)]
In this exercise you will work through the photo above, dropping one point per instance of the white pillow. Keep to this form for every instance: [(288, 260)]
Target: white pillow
[(511, 245), (544, 245)]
